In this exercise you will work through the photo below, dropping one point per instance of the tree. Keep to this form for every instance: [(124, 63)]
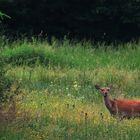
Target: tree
[(93, 19)]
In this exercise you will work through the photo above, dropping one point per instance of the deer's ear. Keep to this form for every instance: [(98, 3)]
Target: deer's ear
[(97, 86)]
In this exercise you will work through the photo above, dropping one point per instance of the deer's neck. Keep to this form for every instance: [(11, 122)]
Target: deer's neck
[(108, 102)]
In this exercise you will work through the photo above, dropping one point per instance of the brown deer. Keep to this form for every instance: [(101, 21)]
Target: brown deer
[(120, 108)]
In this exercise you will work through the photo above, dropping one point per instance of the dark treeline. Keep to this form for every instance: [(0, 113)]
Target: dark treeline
[(102, 20)]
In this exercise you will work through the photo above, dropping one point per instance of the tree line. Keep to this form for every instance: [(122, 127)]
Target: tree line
[(99, 20)]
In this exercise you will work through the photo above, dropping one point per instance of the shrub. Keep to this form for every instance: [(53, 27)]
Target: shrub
[(25, 55)]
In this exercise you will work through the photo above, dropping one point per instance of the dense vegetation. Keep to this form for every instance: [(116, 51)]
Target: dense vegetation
[(97, 20), (57, 98), (4, 81), (47, 86)]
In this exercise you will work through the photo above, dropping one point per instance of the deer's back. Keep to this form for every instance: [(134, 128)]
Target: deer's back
[(126, 107)]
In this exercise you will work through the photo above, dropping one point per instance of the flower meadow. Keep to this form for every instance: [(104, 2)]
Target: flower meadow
[(56, 97)]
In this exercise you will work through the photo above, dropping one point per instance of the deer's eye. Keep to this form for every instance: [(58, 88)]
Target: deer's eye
[(108, 89)]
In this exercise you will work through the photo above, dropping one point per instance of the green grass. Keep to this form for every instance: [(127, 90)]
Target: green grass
[(83, 56), (58, 100)]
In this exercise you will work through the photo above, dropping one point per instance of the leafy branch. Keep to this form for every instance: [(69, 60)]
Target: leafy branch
[(3, 15)]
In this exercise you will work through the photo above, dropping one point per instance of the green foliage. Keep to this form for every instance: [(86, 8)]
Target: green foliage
[(4, 81), (83, 55), (25, 55), (3, 15), (98, 19), (59, 100)]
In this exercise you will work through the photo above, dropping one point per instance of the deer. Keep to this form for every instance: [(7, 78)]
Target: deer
[(119, 108)]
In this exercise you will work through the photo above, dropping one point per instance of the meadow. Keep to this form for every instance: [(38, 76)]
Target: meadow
[(58, 99)]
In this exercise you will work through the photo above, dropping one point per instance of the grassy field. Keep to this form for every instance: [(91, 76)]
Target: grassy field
[(58, 100)]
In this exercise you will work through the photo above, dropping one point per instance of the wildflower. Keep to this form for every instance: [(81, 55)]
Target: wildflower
[(69, 95), (75, 85)]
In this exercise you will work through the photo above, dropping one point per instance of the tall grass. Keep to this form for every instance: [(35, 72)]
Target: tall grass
[(78, 55), (58, 99)]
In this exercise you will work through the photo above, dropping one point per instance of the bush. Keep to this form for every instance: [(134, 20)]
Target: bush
[(25, 55)]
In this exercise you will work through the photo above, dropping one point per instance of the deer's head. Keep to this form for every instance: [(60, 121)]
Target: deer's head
[(103, 90)]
